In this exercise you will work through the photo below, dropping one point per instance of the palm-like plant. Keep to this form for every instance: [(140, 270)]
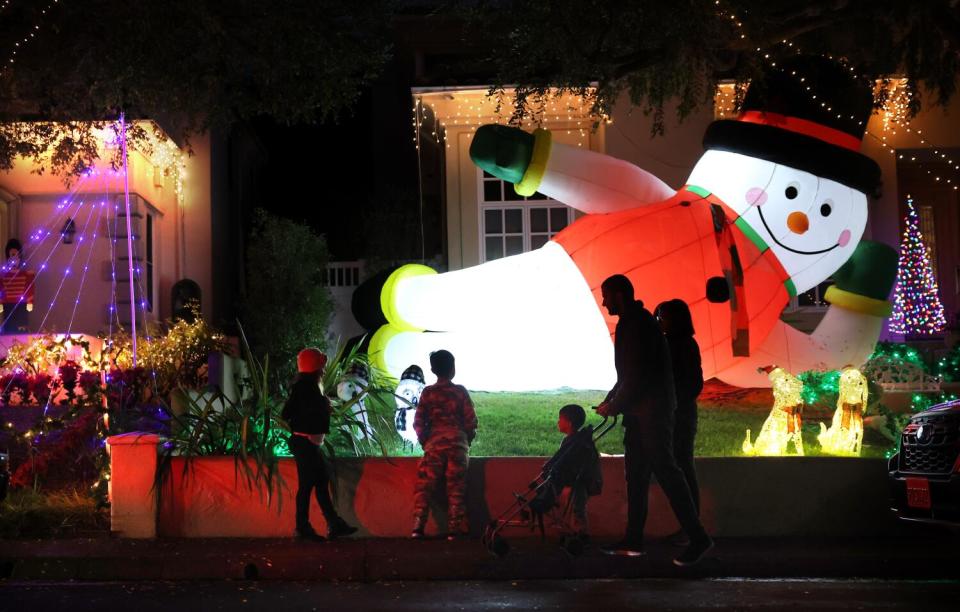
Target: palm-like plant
[(358, 433), (247, 427), (250, 428)]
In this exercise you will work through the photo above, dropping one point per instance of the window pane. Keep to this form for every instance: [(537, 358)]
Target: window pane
[(487, 174), (822, 289), (493, 221), (514, 245), (538, 220), (558, 219), (494, 247), (814, 297), (510, 194), (537, 196), (537, 241), (491, 191), (807, 298), (514, 220)]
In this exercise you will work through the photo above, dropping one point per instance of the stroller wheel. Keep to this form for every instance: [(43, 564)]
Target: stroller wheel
[(573, 545), (498, 546)]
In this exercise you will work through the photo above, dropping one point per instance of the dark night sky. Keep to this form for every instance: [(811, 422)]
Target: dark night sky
[(312, 174), (334, 174)]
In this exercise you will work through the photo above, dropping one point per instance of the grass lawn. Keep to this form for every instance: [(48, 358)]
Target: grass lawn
[(525, 424)]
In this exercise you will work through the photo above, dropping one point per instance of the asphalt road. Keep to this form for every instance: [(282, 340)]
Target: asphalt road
[(426, 596)]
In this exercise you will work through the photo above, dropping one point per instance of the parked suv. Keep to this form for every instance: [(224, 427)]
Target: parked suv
[(925, 473)]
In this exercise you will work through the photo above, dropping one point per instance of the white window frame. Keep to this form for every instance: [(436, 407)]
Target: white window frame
[(820, 306), (525, 205)]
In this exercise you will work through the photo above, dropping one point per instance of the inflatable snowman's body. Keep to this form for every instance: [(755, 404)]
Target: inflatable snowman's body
[(774, 207)]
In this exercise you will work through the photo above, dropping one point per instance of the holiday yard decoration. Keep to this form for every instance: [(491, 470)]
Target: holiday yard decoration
[(776, 205), (352, 391), (917, 310), (784, 425), (845, 435), (407, 397)]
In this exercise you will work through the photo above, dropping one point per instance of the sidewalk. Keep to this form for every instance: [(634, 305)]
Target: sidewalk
[(100, 559)]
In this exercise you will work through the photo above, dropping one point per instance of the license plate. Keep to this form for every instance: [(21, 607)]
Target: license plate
[(918, 493)]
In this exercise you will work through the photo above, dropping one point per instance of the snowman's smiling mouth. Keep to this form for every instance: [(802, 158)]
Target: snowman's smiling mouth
[(774, 238)]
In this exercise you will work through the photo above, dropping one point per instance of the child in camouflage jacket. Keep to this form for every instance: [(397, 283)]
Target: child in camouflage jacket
[(446, 424)]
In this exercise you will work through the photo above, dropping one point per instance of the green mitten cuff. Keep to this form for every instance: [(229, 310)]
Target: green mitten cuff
[(502, 151), (865, 280), (542, 143)]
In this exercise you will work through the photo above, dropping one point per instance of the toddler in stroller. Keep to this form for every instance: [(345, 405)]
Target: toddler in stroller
[(575, 465)]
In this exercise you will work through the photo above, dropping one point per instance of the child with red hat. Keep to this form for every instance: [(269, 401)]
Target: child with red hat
[(307, 412)]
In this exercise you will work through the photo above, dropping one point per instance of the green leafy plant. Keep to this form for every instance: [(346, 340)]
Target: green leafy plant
[(247, 427), (250, 429), (349, 434)]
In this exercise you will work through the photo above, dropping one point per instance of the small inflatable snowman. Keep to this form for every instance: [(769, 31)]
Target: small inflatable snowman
[(776, 205), (408, 398), (354, 386)]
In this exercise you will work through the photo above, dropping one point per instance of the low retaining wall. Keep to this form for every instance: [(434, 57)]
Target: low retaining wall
[(741, 497)]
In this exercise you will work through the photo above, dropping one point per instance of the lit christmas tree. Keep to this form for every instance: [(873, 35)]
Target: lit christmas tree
[(916, 300)]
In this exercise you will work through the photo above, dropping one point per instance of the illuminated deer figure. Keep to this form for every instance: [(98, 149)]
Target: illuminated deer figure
[(845, 435), (784, 423)]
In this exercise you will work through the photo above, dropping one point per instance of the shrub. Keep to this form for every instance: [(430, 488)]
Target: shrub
[(286, 306)]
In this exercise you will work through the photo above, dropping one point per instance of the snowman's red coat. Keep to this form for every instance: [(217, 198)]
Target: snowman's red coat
[(669, 250)]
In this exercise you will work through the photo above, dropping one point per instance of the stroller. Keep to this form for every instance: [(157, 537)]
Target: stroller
[(526, 512)]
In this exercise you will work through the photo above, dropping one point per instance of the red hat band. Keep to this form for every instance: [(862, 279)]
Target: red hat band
[(802, 126)]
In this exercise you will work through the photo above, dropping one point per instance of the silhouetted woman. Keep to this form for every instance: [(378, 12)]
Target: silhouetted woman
[(677, 325)]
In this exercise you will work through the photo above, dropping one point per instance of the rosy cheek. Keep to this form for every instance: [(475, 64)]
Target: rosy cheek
[(844, 239), (756, 196)]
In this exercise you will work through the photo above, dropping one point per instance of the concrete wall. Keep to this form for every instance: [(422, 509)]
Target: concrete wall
[(741, 497)]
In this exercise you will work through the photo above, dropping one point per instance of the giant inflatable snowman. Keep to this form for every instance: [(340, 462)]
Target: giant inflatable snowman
[(776, 205)]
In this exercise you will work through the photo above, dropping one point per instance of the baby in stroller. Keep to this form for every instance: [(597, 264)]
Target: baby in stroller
[(576, 465)]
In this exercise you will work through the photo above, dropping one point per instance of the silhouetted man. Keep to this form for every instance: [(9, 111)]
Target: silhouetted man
[(645, 396)]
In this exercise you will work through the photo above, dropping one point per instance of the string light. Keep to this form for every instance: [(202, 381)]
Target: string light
[(69, 267), (917, 309), (895, 92), (30, 35), (86, 264), (469, 109)]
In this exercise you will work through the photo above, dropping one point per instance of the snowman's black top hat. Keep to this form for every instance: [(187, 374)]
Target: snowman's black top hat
[(413, 373), (809, 113)]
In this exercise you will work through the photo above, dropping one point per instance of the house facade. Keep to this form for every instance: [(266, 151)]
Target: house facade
[(74, 236)]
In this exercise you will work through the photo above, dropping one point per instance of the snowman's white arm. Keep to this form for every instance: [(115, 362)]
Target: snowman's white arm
[(843, 338), (595, 183)]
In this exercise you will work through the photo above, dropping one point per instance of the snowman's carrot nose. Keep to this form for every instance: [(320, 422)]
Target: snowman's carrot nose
[(798, 222)]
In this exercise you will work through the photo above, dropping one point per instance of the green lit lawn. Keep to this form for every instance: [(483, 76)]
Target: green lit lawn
[(524, 424)]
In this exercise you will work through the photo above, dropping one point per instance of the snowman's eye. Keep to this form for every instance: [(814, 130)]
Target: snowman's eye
[(791, 192), (826, 209)]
